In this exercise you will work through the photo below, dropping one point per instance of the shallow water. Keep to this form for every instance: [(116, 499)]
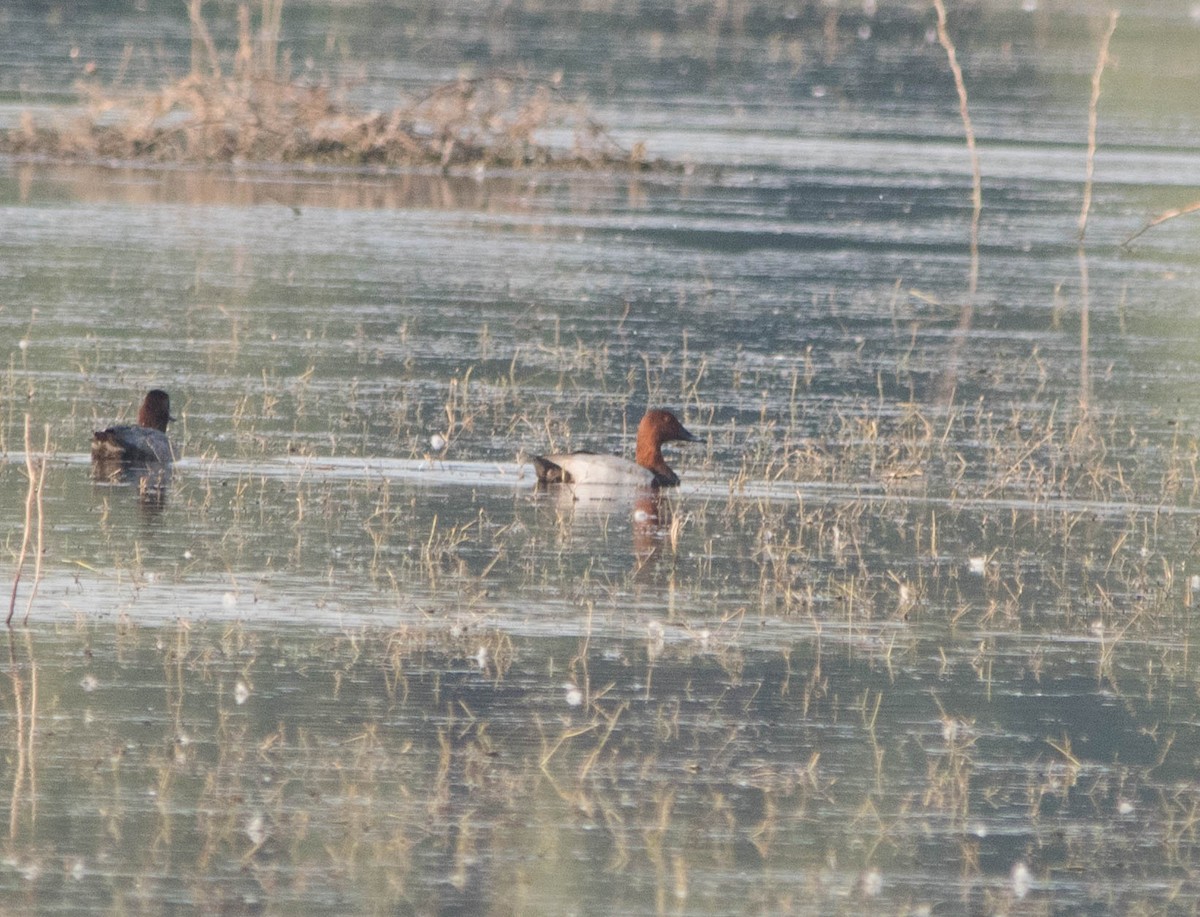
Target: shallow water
[(913, 636)]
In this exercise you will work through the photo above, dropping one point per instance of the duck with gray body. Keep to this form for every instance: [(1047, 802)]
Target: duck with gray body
[(650, 469), (140, 443)]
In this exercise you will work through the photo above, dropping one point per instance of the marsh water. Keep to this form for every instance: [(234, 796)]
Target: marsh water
[(914, 634)]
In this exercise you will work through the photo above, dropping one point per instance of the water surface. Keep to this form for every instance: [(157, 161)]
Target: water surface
[(914, 635)]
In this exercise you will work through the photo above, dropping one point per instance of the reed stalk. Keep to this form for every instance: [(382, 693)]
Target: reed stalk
[(36, 472), (1093, 107), (960, 86)]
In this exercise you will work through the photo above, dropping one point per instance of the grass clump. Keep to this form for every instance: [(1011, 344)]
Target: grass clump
[(251, 109)]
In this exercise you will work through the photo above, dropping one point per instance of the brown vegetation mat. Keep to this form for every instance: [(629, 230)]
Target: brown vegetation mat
[(248, 108), (492, 121)]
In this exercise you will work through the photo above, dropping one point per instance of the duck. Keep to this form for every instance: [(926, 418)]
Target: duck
[(650, 469), (140, 443)]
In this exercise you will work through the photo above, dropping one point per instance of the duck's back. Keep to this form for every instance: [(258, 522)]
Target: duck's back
[(590, 468), (131, 443)]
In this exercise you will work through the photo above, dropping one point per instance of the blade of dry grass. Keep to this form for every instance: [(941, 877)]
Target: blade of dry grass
[(1093, 106), (36, 472), (969, 130), (1163, 217)]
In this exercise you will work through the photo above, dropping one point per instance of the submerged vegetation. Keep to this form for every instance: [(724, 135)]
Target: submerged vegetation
[(248, 107)]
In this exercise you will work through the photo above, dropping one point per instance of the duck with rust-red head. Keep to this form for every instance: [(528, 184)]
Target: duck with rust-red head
[(140, 443), (649, 470)]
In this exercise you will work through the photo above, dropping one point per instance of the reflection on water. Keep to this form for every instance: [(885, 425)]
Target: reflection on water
[(644, 513), (912, 636), (429, 767), (150, 481), (291, 192)]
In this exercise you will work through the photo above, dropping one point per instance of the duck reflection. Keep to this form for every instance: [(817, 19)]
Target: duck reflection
[(651, 526), (151, 480), (597, 506)]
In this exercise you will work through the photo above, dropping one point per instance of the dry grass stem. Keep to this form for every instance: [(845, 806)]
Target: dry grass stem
[(1093, 106), (1085, 309), (969, 131), (36, 474), (1163, 217)]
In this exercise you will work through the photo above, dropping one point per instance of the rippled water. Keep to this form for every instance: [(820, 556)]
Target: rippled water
[(914, 634)]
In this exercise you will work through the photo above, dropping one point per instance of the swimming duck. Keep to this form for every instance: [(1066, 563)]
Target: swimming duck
[(143, 442), (650, 470)]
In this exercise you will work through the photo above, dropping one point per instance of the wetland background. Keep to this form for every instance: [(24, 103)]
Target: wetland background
[(913, 636)]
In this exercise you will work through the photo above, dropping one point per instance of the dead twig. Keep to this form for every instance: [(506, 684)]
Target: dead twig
[(1162, 218)]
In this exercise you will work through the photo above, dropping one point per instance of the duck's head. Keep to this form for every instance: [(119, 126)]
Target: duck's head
[(155, 411)]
